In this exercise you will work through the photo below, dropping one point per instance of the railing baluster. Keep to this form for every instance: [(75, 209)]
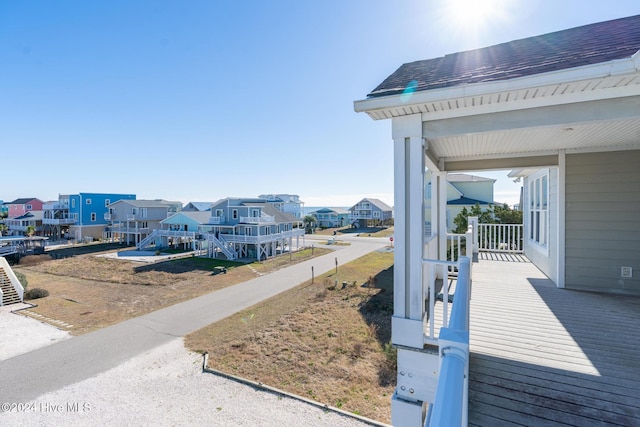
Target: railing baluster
[(500, 238)]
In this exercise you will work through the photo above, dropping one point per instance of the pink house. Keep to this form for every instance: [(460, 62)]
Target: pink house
[(20, 207)]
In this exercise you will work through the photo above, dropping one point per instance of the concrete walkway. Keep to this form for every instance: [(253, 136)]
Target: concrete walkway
[(53, 367)]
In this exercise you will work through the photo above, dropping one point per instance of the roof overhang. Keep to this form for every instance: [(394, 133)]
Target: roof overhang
[(524, 122)]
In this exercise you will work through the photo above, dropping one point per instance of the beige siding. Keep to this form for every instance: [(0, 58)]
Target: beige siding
[(93, 231), (603, 221)]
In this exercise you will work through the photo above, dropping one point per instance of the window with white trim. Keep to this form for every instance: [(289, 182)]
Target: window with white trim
[(234, 214), (107, 202), (87, 201), (93, 216), (539, 209)]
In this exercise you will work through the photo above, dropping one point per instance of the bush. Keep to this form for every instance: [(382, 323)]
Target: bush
[(36, 293), (30, 260)]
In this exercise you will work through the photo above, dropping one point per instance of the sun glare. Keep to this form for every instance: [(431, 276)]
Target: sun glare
[(473, 17), (471, 12)]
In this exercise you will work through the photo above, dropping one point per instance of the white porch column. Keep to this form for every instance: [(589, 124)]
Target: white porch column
[(560, 261), (409, 227), (416, 382)]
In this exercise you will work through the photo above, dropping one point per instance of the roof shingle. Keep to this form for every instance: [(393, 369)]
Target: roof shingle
[(575, 47)]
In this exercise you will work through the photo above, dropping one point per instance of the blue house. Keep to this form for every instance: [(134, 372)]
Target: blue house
[(79, 216), (197, 206), (331, 217), (250, 228), (463, 191)]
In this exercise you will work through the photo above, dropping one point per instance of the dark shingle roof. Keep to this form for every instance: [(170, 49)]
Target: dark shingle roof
[(22, 201), (575, 47)]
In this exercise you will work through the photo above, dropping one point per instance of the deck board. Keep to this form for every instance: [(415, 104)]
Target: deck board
[(547, 356)]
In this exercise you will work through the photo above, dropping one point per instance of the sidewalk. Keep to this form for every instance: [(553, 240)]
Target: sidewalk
[(22, 334)]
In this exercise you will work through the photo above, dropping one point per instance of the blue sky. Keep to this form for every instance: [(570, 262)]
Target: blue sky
[(199, 100)]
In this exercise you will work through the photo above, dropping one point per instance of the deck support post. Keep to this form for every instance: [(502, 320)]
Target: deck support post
[(417, 368)]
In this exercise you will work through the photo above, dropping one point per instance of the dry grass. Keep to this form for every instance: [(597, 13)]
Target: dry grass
[(323, 341), (92, 292)]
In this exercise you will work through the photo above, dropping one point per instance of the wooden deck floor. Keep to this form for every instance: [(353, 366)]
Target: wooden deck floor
[(547, 356)]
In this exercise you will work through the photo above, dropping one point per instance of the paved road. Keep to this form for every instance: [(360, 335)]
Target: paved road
[(32, 374)]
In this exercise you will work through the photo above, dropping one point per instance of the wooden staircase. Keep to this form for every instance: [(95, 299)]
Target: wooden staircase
[(9, 294)]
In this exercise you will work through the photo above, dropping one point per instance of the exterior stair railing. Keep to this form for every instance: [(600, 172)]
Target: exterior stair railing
[(223, 245), (14, 287), (164, 233)]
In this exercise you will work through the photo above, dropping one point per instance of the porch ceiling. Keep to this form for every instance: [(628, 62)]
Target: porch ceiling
[(465, 127), (538, 141)]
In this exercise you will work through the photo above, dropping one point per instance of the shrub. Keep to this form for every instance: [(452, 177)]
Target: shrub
[(391, 354), (36, 293), (34, 259)]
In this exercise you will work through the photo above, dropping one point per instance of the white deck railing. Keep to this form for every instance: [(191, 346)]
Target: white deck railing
[(500, 237), (458, 246), (362, 216), (216, 220), (165, 233), (66, 219), (451, 404), (7, 250), (220, 243), (263, 238), (55, 206), (257, 219), (12, 278)]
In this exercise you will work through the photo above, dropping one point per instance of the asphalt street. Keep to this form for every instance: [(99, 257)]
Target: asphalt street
[(50, 368)]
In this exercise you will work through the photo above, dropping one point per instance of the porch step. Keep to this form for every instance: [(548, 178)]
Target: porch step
[(9, 294)]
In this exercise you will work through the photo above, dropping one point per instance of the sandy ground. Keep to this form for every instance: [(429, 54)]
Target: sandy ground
[(164, 386), (20, 334)]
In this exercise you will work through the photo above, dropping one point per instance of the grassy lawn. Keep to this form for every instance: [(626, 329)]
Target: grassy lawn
[(91, 292), (318, 340)]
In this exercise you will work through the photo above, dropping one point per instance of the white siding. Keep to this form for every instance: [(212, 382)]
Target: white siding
[(603, 221)]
